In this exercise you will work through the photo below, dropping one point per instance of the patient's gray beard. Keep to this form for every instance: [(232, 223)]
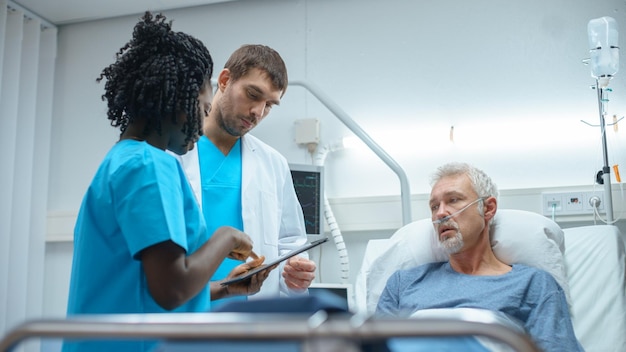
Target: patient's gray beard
[(452, 245)]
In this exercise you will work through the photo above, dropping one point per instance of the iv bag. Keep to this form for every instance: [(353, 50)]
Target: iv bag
[(603, 47)]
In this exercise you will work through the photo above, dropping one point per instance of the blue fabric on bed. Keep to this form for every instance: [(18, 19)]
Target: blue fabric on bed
[(435, 344)]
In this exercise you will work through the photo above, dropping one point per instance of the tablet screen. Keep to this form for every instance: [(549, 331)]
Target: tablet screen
[(284, 257)]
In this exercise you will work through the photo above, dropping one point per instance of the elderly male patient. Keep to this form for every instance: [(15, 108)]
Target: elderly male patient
[(463, 201)]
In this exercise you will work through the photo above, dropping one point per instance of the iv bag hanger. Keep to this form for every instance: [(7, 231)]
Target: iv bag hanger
[(608, 124)]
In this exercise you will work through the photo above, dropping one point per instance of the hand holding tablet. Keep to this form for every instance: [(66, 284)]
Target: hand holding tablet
[(273, 263)]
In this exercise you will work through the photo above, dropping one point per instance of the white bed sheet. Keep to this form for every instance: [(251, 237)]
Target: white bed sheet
[(595, 261)]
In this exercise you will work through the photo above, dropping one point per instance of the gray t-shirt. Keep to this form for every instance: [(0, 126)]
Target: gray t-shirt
[(527, 294)]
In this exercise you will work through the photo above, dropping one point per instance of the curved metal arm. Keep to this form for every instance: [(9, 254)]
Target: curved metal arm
[(266, 327), (405, 192)]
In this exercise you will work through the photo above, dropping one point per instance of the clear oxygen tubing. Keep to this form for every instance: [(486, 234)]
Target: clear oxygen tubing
[(335, 232), (448, 217)]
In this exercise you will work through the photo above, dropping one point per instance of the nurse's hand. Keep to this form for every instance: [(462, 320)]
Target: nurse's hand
[(174, 276), (298, 273), (252, 285), (242, 243)]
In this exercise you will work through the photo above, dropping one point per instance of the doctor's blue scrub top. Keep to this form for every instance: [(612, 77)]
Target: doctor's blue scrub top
[(220, 179), (139, 197)]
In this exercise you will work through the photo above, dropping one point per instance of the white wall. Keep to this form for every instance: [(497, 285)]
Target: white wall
[(506, 74)]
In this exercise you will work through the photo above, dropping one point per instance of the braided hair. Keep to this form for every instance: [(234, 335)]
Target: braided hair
[(158, 74)]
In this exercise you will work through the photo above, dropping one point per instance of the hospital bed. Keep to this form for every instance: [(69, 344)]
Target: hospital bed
[(243, 332), (588, 262)]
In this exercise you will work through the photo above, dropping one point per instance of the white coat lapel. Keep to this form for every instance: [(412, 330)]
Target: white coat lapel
[(249, 163)]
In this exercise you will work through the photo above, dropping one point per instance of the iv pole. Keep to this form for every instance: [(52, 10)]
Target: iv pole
[(604, 50), (606, 171)]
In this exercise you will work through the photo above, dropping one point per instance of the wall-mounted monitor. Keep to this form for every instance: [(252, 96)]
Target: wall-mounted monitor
[(308, 181)]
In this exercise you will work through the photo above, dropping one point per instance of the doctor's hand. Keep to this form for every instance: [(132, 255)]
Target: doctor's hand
[(298, 273)]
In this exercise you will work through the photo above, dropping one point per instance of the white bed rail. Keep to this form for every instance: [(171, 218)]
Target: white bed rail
[(247, 326)]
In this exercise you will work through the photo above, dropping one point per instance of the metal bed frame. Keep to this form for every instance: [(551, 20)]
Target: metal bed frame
[(266, 327)]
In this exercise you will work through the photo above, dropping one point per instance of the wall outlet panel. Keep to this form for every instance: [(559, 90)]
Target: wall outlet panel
[(571, 203)]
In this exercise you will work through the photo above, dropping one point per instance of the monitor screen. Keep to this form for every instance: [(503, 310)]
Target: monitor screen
[(308, 181)]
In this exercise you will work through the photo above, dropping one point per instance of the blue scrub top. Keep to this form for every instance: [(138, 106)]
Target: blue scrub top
[(221, 194), (139, 197)]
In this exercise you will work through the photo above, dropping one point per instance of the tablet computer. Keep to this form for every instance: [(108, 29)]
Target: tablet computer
[(283, 257)]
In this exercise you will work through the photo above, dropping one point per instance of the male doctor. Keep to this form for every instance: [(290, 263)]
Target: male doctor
[(242, 182)]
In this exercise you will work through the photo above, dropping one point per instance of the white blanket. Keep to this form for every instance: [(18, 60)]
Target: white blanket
[(595, 260)]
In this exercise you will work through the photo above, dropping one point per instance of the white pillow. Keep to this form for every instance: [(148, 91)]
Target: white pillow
[(517, 236)]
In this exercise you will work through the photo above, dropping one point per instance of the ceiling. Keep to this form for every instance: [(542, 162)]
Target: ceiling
[(60, 12)]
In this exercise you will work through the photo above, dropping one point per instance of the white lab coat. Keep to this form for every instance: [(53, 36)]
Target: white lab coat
[(272, 215)]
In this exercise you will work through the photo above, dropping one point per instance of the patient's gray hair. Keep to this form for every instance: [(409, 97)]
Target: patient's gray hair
[(482, 184)]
